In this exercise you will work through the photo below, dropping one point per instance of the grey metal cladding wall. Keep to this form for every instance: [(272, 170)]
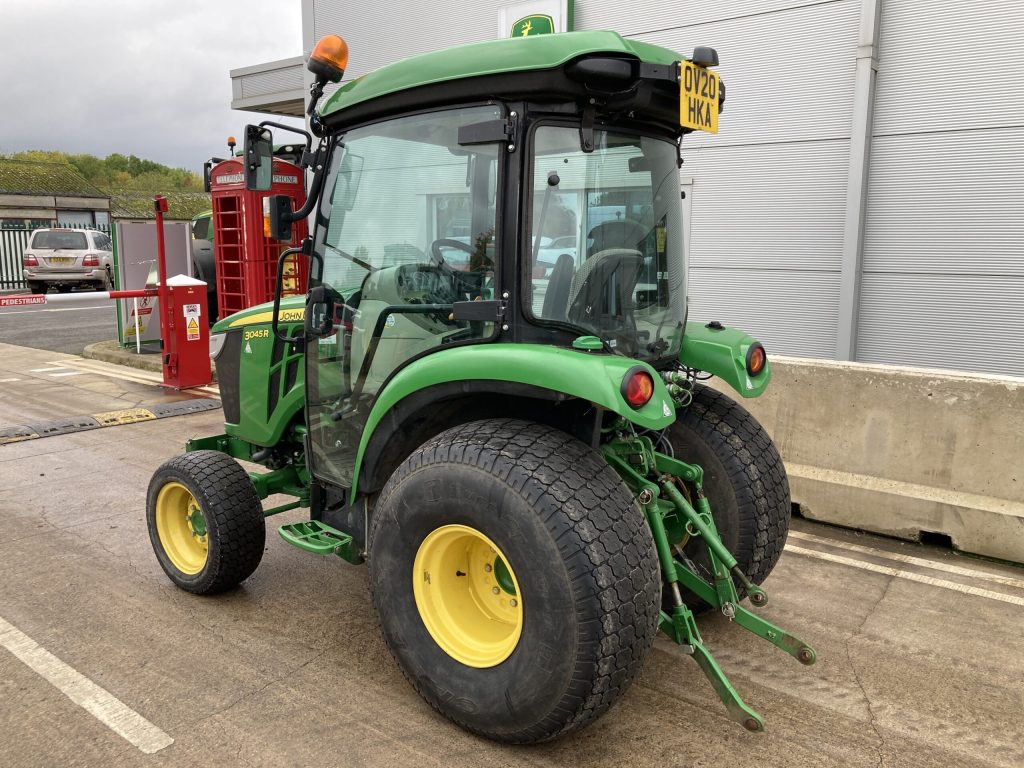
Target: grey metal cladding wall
[(768, 207), (767, 232), (963, 322), (273, 81), (653, 15), (382, 34), (943, 282), (769, 191), (944, 251), (949, 64), (947, 203), (788, 74), (789, 312)]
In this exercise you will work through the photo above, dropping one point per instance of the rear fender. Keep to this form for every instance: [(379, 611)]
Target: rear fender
[(723, 352), (591, 376)]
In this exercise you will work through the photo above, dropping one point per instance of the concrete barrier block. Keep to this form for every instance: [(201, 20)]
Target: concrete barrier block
[(902, 451)]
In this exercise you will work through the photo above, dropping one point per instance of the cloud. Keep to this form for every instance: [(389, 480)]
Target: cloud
[(135, 77)]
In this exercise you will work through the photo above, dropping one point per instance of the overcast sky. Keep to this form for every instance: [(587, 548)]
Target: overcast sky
[(143, 77)]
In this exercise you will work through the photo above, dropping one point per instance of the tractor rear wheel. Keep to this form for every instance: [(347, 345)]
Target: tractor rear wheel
[(515, 579), (205, 521), (744, 479)]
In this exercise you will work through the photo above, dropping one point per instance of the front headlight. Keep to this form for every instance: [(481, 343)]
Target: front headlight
[(217, 344)]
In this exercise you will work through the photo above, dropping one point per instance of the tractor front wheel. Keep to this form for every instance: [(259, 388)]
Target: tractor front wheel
[(205, 521), (514, 578)]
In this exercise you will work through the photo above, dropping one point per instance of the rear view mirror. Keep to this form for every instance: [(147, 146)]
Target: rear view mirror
[(259, 158)]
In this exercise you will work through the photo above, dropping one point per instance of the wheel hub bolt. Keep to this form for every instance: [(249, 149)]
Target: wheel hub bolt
[(488, 568), (513, 602), (495, 590)]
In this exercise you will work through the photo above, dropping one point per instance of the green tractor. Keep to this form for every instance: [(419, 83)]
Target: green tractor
[(491, 392)]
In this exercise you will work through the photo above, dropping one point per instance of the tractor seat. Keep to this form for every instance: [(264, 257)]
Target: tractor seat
[(617, 233)]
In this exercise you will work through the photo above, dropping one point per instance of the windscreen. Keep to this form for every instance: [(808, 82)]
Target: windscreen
[(607, 239), (53, 239)]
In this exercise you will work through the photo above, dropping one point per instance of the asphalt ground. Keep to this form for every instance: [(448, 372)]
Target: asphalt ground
[(104, 662), (60, 327)]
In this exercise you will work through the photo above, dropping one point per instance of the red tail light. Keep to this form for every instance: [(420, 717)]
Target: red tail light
[(637, 387), (91, 261), (29, 260), (756, 359)]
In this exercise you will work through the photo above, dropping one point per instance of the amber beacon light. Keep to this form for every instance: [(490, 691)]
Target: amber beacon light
[(329, 58)]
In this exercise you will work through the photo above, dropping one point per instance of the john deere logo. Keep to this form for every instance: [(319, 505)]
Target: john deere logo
[(533, 25)]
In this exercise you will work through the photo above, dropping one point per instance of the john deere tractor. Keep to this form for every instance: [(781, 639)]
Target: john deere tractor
[(491, 393)]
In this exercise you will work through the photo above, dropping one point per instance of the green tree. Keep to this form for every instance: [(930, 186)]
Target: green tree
[(116, 172)]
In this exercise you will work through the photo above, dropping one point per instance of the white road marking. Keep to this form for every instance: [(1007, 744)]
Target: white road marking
[(104, 706), (68, 373), (136, 375), (909, 575), (6, 381), (46, 370), (911, 560)]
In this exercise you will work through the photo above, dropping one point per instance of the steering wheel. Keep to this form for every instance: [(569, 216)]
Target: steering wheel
[(447, 242)]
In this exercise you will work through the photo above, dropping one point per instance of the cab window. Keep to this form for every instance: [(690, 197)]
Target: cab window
[(406, 228)]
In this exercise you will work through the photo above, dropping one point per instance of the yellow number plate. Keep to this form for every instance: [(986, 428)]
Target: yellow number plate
[(698, 98), (61, 259)]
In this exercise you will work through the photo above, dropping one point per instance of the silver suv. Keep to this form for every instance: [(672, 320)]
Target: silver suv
[(65, 258)]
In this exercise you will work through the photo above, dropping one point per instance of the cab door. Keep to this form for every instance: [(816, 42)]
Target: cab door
[(406, 229)]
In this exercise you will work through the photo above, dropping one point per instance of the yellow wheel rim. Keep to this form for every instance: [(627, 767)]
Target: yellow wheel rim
[(181, 527), (467, 596)]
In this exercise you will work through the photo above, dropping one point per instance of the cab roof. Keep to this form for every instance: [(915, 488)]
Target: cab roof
[(488, 59)]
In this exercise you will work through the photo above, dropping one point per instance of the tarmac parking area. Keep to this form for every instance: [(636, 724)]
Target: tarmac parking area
[(104, 662)]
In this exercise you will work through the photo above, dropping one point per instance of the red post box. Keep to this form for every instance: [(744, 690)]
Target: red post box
[(187, 345)]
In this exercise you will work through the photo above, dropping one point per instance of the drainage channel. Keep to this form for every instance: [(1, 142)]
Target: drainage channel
[(67, 425)]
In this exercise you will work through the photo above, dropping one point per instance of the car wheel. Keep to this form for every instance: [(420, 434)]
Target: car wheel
[(205, 521), (36, 286), (515, 579)]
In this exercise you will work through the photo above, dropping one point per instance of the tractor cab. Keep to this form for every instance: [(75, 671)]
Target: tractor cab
[(536, 202)]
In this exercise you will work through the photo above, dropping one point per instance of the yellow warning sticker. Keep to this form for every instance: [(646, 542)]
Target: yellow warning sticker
[(127, 416), (192, 329)]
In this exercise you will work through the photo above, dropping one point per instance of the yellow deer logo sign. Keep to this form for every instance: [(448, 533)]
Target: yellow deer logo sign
[(533, 25)]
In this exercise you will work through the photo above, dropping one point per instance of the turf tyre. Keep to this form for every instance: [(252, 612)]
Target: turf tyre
[(744, 479), (236, 530), (585, 563)]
